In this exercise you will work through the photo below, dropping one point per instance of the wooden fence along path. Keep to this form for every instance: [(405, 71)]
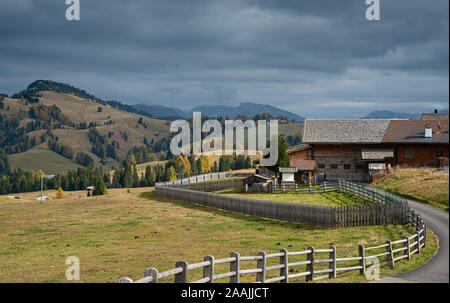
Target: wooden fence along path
[(369, 193), (380, 212), (293, 187), (316, 263)]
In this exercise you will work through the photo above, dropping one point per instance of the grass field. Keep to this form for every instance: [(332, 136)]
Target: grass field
[(330, 198), (42, 158), (123, 233), (423, 185)]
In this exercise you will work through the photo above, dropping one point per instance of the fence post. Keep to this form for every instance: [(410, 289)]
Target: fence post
[(153, 272), (285, 270), (310, 187), (408, 248), (208, 271), (182, 276), (261, 276), (390, 255), (310, 266), (332, 264), (418, 242), (325, 186), (362, 261), (234, 266), (424, 234)]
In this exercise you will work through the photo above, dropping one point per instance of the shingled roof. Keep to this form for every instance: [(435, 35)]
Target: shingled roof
[(435, 116), (344, 131), (414, 132)]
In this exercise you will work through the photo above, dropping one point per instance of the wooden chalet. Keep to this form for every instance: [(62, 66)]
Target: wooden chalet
[(354, 149), (418, 142)]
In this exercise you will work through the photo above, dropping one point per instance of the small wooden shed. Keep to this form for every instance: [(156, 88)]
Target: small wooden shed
[(256, 183)]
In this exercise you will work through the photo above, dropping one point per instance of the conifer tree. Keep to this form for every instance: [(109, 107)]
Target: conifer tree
[(100, 188)]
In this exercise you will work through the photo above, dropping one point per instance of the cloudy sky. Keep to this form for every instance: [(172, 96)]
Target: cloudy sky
[(316, 58)]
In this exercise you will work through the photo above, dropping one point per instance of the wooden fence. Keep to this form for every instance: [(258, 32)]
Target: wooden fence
[(352, 177), (293, 187), (215, 185), (373, 194), (316, 263), (317, 215), (377, 213), (373, 214)]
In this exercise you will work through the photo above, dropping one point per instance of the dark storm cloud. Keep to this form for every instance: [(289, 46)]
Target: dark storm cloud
[(314, 57)]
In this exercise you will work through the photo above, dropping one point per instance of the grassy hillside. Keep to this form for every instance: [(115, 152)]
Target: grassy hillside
[(41, 158), (424, 185), (80, 107), (80, 110), (122, 234)]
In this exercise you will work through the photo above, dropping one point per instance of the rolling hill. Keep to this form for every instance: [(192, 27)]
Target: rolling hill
[(71, 112), (128, 129)]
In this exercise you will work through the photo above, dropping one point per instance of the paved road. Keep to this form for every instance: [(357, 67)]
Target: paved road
[(435, 270)]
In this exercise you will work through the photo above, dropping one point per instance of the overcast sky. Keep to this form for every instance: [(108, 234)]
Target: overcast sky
[(316, 58)]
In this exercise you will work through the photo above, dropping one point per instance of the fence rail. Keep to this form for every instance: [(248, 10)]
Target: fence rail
[(393, 251)]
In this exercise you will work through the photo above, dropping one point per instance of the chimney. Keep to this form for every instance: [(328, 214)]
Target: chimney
[(435, 111), (428, 132)]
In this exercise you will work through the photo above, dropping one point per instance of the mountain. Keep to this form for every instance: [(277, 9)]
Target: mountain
[(248, 109), (386, 114), (161, 111), (71, 112)]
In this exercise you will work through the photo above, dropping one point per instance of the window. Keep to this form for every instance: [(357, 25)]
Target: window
[(321, 166), (409, 153), (439, 153), (359, 165), (334, 166), (347, 166)]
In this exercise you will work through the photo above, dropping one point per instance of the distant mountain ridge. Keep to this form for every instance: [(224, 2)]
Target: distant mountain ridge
[(161, 111), (386, 114), (248, 109)]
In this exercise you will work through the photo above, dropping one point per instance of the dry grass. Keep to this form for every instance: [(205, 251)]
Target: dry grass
[(425, 185), (124, 233)]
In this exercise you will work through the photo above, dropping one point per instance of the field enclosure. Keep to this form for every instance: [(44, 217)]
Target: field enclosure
[(123, 233)]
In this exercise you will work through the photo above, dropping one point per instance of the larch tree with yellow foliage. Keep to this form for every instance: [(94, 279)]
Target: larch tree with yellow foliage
[(171, 174), (60, 193), (205, 164)]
